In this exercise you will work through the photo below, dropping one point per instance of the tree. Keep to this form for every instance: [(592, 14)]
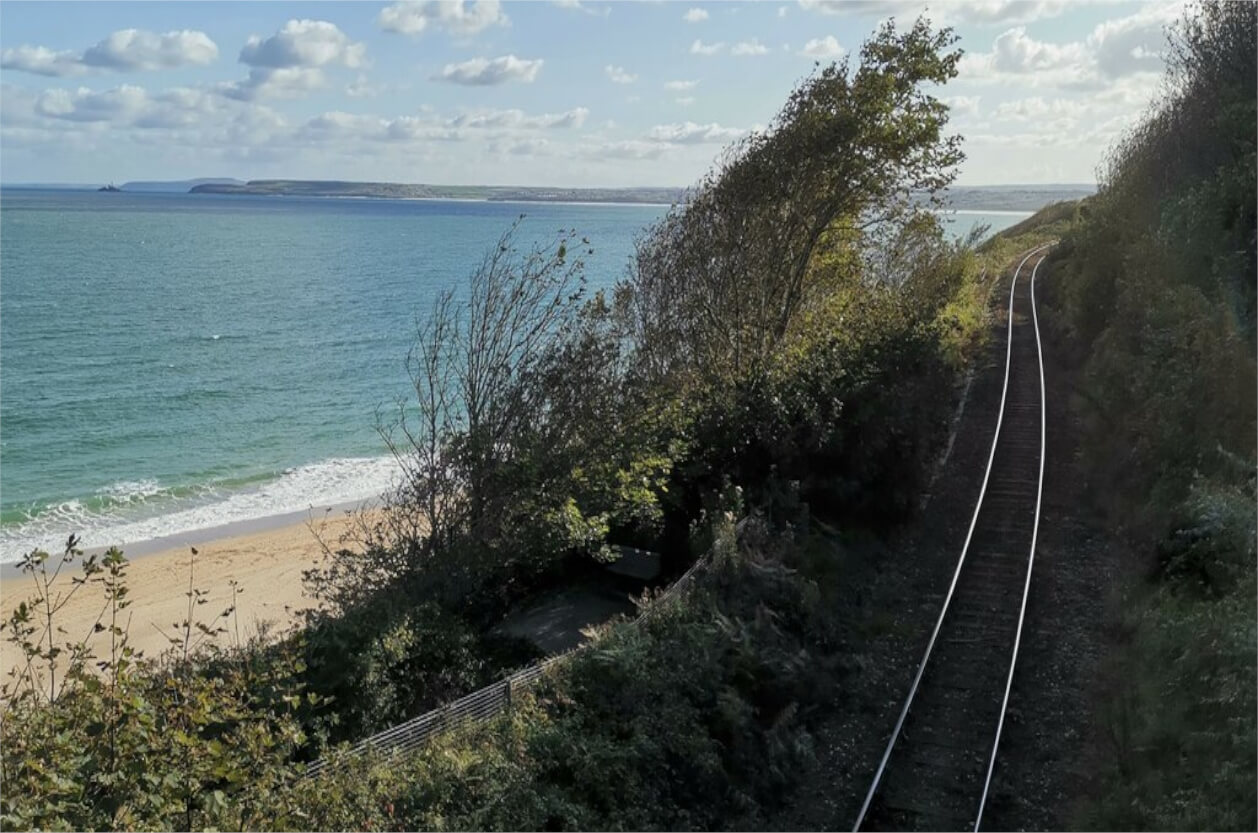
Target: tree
[(720, 279)]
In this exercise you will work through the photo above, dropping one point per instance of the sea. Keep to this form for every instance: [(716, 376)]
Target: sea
[(172, 363)]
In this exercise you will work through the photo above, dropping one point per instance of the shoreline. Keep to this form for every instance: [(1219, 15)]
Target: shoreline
[(244, 528)]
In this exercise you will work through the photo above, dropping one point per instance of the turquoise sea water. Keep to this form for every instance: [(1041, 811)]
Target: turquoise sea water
[(172, 362)]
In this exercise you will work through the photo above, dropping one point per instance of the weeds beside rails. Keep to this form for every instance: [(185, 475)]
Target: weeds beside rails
[(494, 699)]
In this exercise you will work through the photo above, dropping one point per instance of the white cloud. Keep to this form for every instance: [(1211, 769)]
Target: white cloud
[(629, 149), (685, 100), (976, 12), (412, 18), (695, 15), (619, 75), (126, 50), (121, 104), (129, 106), (860, 8), (827, 47), (304, 43), (680, 86), (689, 133), (518, 119), (136, 49), (274, 82), (1123, 48), (750, 47), (1132, 44), (781, 11), (578, 6), (1004, 11), (41, 61), (501, 128), (962, 105), (480, 72), (701, 48)]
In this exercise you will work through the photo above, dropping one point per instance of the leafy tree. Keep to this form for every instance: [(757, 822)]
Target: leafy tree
[(719, 281)]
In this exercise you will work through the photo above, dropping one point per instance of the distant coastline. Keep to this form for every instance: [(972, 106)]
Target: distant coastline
[(397, 190), (992, 198), (982, 198)]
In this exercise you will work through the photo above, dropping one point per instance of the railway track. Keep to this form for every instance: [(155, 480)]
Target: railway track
[(936, 771)]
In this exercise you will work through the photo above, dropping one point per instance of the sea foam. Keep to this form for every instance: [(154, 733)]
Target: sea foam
[(136, 511)]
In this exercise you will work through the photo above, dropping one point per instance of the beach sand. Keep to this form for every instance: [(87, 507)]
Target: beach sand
[(267, 565)]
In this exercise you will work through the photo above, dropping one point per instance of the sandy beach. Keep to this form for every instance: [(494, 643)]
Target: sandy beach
[(266, 564)]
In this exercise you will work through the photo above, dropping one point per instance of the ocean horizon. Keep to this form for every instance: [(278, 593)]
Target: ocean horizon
[(172, 362)]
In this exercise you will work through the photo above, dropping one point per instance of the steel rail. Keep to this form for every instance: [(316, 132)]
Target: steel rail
[(930, 646), (1035, 531)]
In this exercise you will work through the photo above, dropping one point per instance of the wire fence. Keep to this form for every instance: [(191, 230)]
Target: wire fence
[(480, 705)]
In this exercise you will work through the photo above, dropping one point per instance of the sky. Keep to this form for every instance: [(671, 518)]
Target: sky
[(569, 93)]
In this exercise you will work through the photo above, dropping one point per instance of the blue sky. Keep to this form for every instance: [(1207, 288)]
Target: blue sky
[(528, 93)]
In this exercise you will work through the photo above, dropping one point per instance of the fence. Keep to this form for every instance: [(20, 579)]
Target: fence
[(482, 704)]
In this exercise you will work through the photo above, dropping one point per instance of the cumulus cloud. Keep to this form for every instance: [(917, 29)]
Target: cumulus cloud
[(827, 47), (695, 15), (1005, 11), (1115, 50), (685, 100), (274, 82), (413, 18), (1132, 44), (129, 106), (689, 133), (482, 72), (701, 48), (619, 75), (136, 49), (304, 43), (126, 50), (680, 86), (121, 104), (750, 47), (41, 61)]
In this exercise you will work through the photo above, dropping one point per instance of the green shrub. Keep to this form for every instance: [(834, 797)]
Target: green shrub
[(194, 739), (696, 718)]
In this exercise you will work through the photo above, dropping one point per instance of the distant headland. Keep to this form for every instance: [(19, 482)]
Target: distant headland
[(987, 198), (396, 191)]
